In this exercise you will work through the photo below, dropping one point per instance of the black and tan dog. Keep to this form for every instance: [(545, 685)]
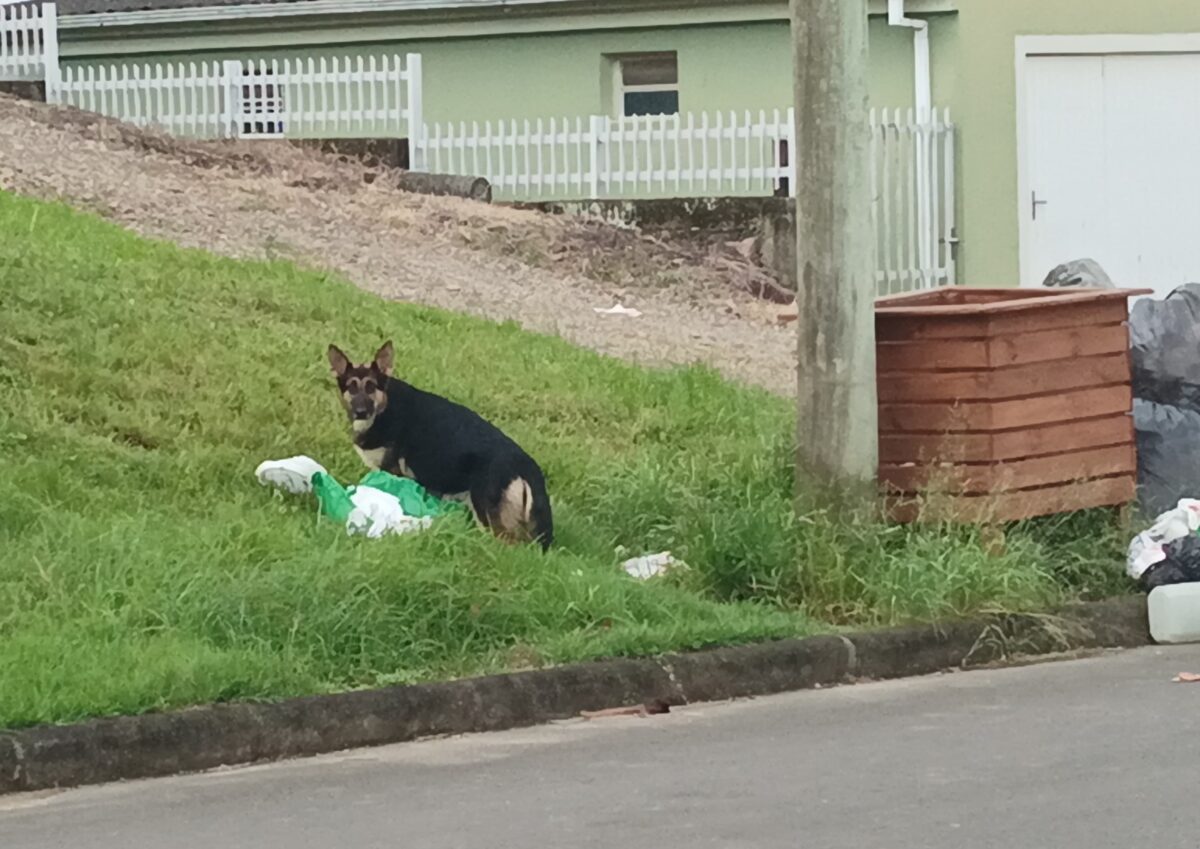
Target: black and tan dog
[(448, 449)]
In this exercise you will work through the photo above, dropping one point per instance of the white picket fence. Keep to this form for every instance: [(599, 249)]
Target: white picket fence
[(723, 154), (339, 97), (598, 156), (28, 42)]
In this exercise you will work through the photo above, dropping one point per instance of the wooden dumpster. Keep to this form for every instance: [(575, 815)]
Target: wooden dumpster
[(1003, 404)]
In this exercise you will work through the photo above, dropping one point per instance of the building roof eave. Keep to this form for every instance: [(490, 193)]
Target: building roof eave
[(261, 12)]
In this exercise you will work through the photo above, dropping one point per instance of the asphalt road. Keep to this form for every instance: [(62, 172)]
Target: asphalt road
[(1092, 753)]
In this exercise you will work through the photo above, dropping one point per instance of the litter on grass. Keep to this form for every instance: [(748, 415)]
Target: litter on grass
[(651, 565), (380, 504)]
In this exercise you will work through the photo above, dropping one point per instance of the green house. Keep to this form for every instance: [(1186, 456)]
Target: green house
[(1074, 120), (495, 60)]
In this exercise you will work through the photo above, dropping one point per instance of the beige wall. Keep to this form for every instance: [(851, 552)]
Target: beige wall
[(983, 101)]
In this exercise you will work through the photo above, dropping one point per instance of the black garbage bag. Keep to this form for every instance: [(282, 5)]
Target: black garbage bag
[(1164, 338), (1168, 452), (1181, 566), (1164, 348)]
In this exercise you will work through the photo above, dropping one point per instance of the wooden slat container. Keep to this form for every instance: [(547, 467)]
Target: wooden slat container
[(1003, 404)]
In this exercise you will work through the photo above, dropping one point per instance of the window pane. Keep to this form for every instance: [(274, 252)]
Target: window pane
[(651, 102), (650, 69)]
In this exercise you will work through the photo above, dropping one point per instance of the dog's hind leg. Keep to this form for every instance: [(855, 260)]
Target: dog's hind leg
[(510, 519), (505, 509)]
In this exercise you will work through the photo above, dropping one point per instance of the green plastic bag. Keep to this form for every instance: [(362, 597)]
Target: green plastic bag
[(334, 499)]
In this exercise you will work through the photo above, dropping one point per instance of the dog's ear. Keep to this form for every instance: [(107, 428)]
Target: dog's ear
[(385, 359), (338, 361)]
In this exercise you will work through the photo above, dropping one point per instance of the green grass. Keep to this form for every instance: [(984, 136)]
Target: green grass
[(144, 568)]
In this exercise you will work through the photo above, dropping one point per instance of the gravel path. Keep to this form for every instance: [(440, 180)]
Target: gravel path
[(270, 200)]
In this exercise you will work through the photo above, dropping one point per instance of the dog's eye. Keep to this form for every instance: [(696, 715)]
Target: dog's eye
[(369, 386)]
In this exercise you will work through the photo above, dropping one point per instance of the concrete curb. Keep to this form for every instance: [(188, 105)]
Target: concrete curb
[(206, 737)]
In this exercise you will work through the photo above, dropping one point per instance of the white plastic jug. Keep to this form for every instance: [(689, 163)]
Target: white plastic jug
[(1174, 612)]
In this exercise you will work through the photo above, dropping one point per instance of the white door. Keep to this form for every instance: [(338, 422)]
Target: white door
[(1112, 158)]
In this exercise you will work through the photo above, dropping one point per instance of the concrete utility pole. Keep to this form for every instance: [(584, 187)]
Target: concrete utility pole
[(837, 426)]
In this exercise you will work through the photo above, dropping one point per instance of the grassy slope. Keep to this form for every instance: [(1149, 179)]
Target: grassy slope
[(144, 568)]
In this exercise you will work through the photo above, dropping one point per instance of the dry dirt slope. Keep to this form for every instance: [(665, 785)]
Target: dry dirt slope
[(274, 200)]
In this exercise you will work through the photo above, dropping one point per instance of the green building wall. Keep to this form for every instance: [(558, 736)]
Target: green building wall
[(743, 66)]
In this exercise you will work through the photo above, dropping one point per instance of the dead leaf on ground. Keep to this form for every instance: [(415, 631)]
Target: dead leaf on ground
[(648, 709)]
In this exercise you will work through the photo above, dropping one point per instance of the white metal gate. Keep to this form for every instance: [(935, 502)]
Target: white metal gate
[(255, 97)]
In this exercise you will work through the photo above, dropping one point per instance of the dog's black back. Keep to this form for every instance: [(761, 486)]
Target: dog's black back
[(449, 449)]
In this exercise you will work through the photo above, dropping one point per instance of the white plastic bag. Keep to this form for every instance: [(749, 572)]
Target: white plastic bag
[(650, 566), (377, 513), (1146, 548)]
